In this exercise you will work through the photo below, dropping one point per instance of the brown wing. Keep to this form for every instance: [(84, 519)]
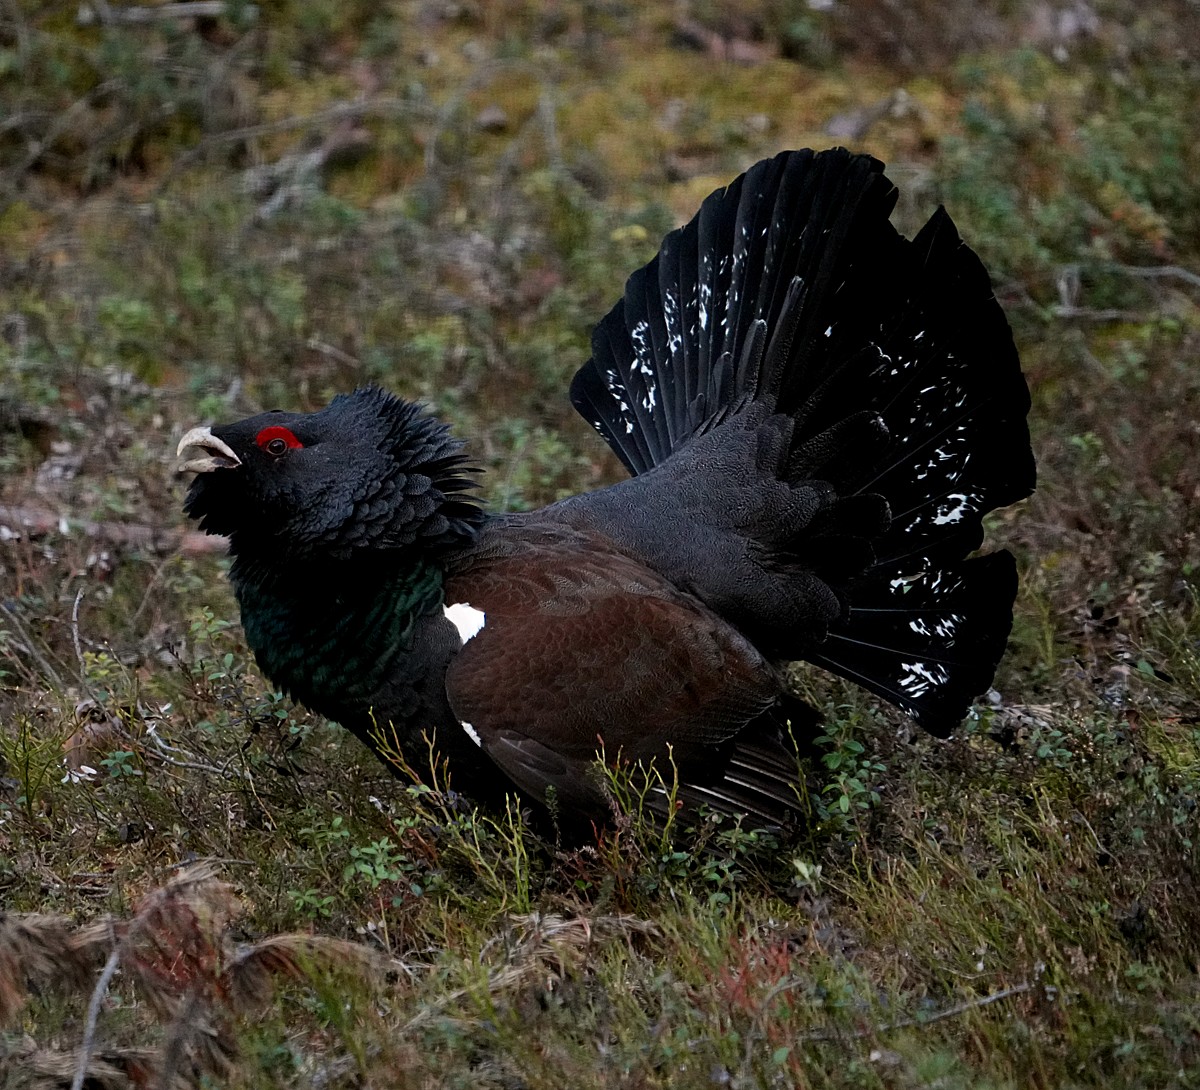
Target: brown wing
[(583, 648)]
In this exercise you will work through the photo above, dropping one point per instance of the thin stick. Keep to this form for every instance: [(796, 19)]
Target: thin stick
[(938, 1016), (186, 9), (93, 1014), (163, 751), (1158, 272), (959, 1008), (83, 674), (151, 586), (197, 873), (75, 635), (37, 521)]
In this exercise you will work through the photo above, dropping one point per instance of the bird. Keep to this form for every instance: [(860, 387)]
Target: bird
[(815, 414)]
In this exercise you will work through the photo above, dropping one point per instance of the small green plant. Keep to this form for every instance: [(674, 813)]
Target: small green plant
[(855, 771), (120, 764), (376, 863), (327, 834), (312, 903)]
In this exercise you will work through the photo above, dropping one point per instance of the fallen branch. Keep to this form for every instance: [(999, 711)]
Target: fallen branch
[(928, 1019), (187, 9), (95, 1002), (38, 522), (1160, 272), (1098, 314), (381, 106)]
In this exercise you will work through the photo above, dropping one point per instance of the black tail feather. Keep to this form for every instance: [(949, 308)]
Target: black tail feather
[(674, 339), (791, 291), (759, 777), (928, 642)]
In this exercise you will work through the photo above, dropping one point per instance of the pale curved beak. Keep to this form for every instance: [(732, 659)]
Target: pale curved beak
[(205, 453)]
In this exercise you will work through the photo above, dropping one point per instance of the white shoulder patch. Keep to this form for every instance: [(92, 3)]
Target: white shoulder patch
[(466, 618), (472, 733)]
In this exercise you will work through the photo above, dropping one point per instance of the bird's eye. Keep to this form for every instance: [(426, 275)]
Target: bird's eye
[(277, 440)]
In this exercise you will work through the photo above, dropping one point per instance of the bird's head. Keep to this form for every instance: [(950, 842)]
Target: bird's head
[(370, 471)]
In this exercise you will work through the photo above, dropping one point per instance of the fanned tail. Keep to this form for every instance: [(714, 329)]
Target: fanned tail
[(714, 319), (925, 628), (791, 295)]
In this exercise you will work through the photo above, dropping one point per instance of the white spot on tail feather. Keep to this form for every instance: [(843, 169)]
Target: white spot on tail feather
[(943, 627), (919, 678), (949, 513), (466, 618)]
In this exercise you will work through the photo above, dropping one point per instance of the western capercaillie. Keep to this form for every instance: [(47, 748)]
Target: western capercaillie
[(816, 412)]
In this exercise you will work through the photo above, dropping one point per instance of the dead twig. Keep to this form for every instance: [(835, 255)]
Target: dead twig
[(37, 521), (758, 1032), (295, 175), (93, 1012), (162, 751), (1160, 272), (155, 918), (186, 9), (380, 106), (1098, 314), (75, 635), (928, 1019), (960, 1008), (332, 352)]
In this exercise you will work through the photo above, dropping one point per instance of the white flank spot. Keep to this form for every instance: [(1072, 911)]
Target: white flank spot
[(466, 618), (472, 733)]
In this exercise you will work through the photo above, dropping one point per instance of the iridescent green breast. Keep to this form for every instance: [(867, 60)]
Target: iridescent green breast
[(330, 635)]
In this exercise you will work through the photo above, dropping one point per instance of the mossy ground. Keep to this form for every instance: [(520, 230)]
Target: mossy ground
[(200, 218)]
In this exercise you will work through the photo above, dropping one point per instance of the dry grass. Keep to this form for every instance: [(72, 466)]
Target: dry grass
[(177, 952)]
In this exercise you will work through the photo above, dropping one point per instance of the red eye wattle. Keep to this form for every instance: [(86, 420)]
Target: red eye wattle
[(277, 439)]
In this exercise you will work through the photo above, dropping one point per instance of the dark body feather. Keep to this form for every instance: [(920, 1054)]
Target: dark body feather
[(817, 414)]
